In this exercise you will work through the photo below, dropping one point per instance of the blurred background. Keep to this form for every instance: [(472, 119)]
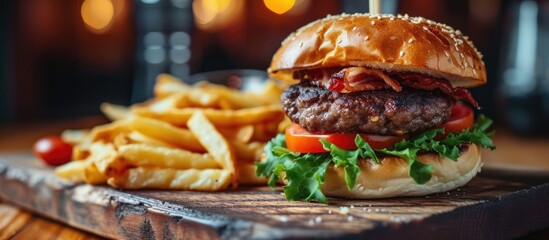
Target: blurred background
[(60, 59)]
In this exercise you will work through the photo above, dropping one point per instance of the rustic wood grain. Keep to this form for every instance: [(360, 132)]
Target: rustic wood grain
[(16, 223), (12, 220), (489, 207)]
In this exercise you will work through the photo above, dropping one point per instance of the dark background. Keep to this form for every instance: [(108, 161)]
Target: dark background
[(60, 59)]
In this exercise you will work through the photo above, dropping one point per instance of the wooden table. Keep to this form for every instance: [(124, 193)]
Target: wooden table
[(19, 224)]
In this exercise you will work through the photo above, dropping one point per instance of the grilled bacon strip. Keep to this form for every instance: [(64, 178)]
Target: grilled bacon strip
[(355, 79), (420, 81)]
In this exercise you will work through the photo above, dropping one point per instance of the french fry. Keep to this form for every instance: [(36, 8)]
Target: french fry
[(248, 152), (93, 176), (138, 137), (78, 153), (265, 131), (81, 140), (240, 133), (121, 139), (173, 101), (106, 159), (158, 178), (74, 137), (115, 112), (248, 177), (214, 142), (224, 118), (143, 155), (234, 98), (107, 132), (203, 99), (73, 171), (166, 132), (167, 84)]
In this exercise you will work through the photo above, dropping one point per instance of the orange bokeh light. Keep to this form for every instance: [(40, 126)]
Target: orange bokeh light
[(97, 14), (279, 6)]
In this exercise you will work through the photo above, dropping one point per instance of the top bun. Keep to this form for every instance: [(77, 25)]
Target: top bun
[(386, 42)]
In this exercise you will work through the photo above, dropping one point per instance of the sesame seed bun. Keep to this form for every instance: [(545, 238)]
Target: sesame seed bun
[(386, 42), (390, 178)]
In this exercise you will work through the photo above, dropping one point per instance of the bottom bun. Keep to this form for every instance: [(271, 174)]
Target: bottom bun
[(391, 179)]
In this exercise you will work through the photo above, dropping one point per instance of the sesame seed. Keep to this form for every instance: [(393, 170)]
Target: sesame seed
[(392, 18), (339, 41), (417, 20), (401, 54), (474, 72), (373, 22), (301, 44), (354, 28), (366, 38), (392, 37), (466, 64), (425, 28), (406, 16), (410, 40)]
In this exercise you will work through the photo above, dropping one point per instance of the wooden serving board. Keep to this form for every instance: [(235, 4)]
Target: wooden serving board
[(489, 207)]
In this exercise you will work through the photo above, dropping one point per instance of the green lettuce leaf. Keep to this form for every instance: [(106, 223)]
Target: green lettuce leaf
[(266, 167), (305, 176)]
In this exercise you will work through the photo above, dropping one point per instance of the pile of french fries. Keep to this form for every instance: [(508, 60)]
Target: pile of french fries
[(203, 137)]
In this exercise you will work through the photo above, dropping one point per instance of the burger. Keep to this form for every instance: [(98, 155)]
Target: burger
[(379, 108)]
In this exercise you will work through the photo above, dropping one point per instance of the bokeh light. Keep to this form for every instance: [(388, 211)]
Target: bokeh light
[(97, 14), (279, 6)]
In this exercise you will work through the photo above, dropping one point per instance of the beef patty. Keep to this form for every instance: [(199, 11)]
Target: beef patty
[(383, 112)]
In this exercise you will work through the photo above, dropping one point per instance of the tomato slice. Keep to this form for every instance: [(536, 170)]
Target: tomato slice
[(298, 139), (462, 117)]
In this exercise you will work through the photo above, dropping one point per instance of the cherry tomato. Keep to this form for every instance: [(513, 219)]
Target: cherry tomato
[(298, 139), (53, 150)]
